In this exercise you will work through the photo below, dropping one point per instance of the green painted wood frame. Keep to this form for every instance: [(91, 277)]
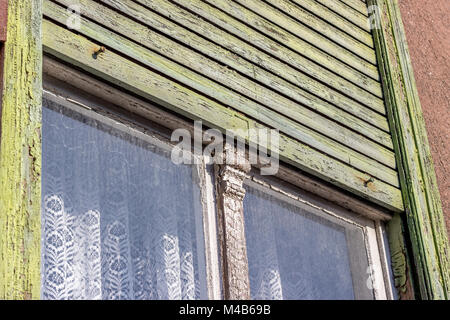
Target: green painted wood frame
[(20, 153), (20, 161), (423, 218)]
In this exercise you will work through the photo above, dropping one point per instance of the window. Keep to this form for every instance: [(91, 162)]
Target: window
[(297, 251), (120, 220)]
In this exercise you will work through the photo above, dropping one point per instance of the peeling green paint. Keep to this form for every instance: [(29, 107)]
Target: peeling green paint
[(399, 258), (260, 109), (424, 217), (20, 153)]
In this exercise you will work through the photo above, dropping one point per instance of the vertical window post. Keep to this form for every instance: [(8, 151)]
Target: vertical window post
[(230, 190)]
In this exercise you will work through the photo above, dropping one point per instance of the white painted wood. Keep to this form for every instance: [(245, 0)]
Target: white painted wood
[(375, 264), (207, 241)]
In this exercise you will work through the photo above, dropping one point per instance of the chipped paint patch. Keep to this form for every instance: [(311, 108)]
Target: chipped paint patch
[(399, 260)]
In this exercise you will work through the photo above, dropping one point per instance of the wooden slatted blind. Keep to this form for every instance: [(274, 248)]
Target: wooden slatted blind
[(305, 67)]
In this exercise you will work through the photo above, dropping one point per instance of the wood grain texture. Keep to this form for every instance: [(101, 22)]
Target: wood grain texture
[(330, 48), (424, 216), (284, 38), (235, 57), (400, 259), (249, 107), (357, 5), (362, 33), (20, 156), (308, 72), (78, 51), (288, 68), (230, 208), (426, 26)]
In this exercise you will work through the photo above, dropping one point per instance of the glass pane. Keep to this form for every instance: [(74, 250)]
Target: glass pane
[(119, 219), (294, 254)]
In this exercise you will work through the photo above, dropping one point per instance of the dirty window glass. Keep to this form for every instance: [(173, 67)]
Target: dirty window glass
[(296, 254)]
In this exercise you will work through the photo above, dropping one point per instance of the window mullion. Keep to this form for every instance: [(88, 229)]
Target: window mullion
[(230, 196)]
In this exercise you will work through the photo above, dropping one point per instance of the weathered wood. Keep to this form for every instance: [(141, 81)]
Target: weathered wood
[(342, 199), (358, 18), (284, 38), (326, 29), (273, 79), (290, 58), (358, 5), (400, 260), (338, 21), (20, 156), (424, 215), (2, 59), (78, 51), (302, 31), (259, 57), (228, 97), (79, 80)]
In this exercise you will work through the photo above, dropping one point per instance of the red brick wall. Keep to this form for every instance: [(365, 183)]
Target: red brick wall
[(427, 25)]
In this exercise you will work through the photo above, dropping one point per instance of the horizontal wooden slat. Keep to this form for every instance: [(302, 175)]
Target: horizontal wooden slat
[(261, 42), (358, 5), (359, 19), (78, 51), (326, 29), (330, 48), (252, 71), (362, 33), (259, 57), (249, 107), (302, 47)]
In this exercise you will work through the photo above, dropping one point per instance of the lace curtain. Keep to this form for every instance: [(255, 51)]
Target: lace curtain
[(119, 219), (294, 254)]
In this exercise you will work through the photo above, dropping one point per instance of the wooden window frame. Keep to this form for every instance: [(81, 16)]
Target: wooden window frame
[(89, 106), (228, 236), (424, 219), (418, 238), (373, 229)]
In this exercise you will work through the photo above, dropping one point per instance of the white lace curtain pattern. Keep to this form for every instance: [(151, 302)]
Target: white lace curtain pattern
[(293, 254), (118, 217)]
